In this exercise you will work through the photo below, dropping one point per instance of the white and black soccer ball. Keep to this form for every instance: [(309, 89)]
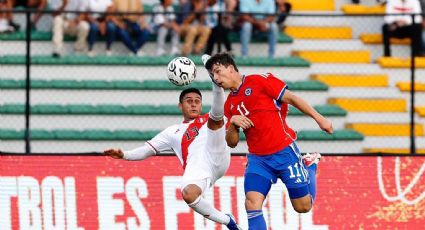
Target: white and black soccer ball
[(181, 71)]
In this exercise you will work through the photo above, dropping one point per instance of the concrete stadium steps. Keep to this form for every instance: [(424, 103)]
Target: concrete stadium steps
[(392, 150), (99, 146), (405, 86), (370, 104), (352, 80), (362, 9), (377, 51), (398, 62), (255, 49), (335, 56), (377, 39), (385, 129), (313, 5), (319, 32)]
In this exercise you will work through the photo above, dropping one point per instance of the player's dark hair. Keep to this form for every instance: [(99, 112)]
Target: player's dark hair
[(189, 90), (224, 59)]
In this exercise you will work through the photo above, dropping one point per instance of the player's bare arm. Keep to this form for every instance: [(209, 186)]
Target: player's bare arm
[(114, 153), (232, 136), (307, 109)]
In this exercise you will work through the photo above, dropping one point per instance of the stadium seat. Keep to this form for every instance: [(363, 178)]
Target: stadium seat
[(362, 9), (377, 39), (126, 135), (352, 80), (335, 56), (396, 62), (313, 5), (420, 110), (404, 86), (370, 104), (144, 61), (385, 129), (319, 32), (392, 150)]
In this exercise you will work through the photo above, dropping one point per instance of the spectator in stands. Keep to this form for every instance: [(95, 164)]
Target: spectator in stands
[(5, 26), (263, 21), (422, 2), (283, 8), (219, 33), (194, 28), (100, 23), (68, 23), (131, 25), (402, 26), (164, 22), (40, 5)]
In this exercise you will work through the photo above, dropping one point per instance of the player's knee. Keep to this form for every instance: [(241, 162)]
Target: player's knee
[(302, 207), (253, 203), (190, 194)]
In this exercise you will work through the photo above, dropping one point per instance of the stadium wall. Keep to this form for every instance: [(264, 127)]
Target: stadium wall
[(94, 192)]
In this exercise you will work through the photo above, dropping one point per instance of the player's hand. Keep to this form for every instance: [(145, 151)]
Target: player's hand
[(241, 121), (114, 153), (326, 125)]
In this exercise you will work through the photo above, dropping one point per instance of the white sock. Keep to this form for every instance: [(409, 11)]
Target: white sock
[(217, 107), (204, 208)]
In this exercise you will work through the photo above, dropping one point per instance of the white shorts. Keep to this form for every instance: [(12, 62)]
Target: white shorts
[(212, 164)]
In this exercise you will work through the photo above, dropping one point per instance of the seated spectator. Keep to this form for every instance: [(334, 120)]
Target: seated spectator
[(129, 25), (100, 23), (164, 23), (5, 26), (283, 8), (40, 5), (254, 18), (402, 26), (194, 28), (68, 23), (219, 33)]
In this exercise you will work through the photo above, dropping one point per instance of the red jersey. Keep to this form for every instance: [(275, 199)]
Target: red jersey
[(259, 98)]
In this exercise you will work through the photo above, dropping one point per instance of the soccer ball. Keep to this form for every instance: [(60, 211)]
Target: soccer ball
[(181, 71)]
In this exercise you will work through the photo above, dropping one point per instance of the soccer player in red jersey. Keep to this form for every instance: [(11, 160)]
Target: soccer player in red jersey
[(258, 104)]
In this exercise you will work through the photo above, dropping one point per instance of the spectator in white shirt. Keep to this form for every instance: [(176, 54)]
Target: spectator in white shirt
[(164, 23), (402, 26), (72, 24)]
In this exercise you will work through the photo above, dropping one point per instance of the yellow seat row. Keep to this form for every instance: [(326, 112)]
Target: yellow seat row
[(334, 56), (370, 104), (352, 80), (377, 39), (385, 129), (363, 9)]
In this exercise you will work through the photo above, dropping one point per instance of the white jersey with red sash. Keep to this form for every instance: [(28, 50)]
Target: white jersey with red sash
[(189, 142)]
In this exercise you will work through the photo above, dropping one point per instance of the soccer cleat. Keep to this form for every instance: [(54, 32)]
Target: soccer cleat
[(232, 225), (311, 158), (205, 58)]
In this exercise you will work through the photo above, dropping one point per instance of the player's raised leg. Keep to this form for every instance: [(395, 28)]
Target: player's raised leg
[(192, 195), (215, 120)]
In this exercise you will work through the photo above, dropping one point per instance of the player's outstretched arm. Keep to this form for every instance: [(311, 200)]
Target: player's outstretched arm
[(140, 153), (232, 136), (307, 109)]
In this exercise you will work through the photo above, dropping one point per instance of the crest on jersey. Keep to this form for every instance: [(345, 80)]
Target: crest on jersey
[(248, 92)]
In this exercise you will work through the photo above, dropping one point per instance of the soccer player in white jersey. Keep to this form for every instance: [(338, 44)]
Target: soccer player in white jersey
[(199, 143)]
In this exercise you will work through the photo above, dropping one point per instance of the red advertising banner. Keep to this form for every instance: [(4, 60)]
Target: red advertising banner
[(89, 192)]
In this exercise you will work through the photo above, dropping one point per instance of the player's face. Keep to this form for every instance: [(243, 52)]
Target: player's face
[(222, 75), (191, 106)]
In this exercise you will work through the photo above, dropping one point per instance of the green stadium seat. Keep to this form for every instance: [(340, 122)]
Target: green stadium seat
[(11, 84), (10, 134), (66, 84), (67, 134), (112, 110), (97, 134), (81, 109), (39, 134), (12, 108), (148, 60), (50, 109)]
